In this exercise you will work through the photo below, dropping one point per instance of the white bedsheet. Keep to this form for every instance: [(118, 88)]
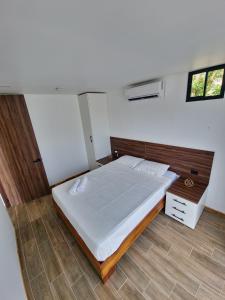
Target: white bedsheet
[(114, 202)]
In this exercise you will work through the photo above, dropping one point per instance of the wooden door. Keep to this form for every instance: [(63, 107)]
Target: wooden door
[(22, 174)]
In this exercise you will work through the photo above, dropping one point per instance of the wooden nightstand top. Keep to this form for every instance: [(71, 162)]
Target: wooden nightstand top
[(192, 194), (105, 160)]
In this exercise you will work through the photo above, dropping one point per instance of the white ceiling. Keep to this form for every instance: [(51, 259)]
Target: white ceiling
[(99, 45)]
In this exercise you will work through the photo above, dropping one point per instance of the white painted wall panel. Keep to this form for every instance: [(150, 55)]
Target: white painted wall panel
[(57, 126), (86, 123), (171, 120), (100, 124)]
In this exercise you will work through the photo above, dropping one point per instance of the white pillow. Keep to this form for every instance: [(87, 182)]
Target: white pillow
[(152, 168), (171, 175), (130, 161)]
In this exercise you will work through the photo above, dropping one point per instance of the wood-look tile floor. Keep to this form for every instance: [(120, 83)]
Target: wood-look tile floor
[(168, 261)]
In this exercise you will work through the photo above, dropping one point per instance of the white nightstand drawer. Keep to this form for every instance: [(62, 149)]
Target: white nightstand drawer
[(181, 216), (180, 204), (183, 210)]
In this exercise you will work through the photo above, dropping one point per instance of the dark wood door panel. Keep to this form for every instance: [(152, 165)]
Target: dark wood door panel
[(19, 151)]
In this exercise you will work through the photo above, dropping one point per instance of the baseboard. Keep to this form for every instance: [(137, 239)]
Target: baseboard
[(215, 212), (72, 177)]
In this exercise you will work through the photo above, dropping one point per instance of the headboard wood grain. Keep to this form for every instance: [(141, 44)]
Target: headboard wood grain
[(186, 162)]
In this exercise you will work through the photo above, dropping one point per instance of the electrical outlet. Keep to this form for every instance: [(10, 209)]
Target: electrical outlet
[(194, 172)]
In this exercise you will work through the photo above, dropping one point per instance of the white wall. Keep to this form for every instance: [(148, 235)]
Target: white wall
[(11, 283), (57, 126), (172, 121)]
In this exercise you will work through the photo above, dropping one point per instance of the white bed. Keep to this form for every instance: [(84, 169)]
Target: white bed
[(115, 201)]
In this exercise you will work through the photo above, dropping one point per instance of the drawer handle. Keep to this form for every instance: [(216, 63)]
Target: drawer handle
[(182, 211), (179, 202), (178, 217)]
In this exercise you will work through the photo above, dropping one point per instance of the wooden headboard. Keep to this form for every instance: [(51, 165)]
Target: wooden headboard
[(186, 162)]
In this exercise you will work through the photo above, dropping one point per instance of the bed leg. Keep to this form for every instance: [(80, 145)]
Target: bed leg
[(106, 276)]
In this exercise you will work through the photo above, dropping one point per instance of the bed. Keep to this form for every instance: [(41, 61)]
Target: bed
[(117, 205)]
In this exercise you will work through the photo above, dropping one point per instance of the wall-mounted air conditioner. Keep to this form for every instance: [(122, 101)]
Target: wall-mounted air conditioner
[(145, 91)]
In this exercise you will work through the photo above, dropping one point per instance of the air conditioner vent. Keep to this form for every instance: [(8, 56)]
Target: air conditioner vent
[(145, 91)]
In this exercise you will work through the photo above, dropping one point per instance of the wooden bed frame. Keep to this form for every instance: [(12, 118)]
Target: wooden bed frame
[(186, 162), (107, 267)]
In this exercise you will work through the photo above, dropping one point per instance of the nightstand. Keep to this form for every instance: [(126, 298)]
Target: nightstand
[(185, 204), (105, 160)]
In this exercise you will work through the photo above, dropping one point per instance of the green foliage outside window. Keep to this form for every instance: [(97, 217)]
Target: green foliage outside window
[(214, 82), (198, 83), (213, 85)]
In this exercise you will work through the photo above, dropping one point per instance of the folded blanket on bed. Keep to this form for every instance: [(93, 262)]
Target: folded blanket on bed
[(79, 185), (82, 185), (73, 189)]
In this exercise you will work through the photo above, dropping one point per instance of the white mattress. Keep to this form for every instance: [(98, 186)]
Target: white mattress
[(114, 202)]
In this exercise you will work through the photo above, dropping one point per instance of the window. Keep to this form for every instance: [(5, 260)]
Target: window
[(206, 84)]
